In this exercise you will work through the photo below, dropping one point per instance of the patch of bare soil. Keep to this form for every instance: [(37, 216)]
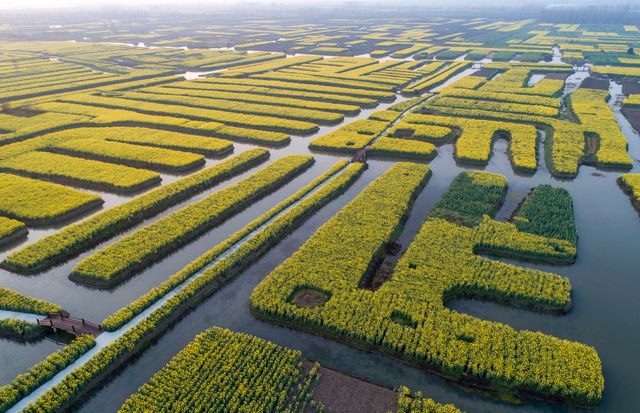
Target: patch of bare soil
[(385, 269), (309, 298), (340, 393), (384, 274)]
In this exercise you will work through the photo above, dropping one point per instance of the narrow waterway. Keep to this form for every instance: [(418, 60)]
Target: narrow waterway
[(95, 304), (603, 315)]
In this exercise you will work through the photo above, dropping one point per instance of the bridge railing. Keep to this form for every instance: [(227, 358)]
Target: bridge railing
[(62, 316)]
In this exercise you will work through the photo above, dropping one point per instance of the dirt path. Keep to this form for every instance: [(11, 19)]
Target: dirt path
[(341, 394)]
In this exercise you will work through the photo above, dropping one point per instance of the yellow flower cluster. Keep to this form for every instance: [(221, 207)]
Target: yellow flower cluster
[(205, 145), (275, 64), (598, 122), (96, 80), (66, 391), (423, 151), (515, 78), (75, 238), (421, 132), (133, 155), (409, 103), (280, 90), (14, 328), (341, 182), (630, 184), (633, 100), (407, 316), (436, 78), (467, 82), (35, 202), (295, 113), (206, 115), (9, 228), (81, 172), (622, 71), (477, 137), (383, 91), (299, 86), (504, 238), (415, 403), (236, 372), (14, 301), (350, 137), (80, 115), (134, 252), (240, 96), (494, 106), (504, 96), (567, 140)]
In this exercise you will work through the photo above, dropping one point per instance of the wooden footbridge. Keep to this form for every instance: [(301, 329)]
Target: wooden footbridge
[(360, 156), (75, 326)]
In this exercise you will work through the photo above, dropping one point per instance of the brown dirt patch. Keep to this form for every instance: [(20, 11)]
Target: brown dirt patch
[(384, 274), (341, 393), (309, 298)]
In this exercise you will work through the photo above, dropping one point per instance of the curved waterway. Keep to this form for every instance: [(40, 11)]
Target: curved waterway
[(604, 279)]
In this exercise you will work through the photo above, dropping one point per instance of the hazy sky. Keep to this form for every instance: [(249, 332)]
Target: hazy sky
[(43, 4), (39, 4)]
